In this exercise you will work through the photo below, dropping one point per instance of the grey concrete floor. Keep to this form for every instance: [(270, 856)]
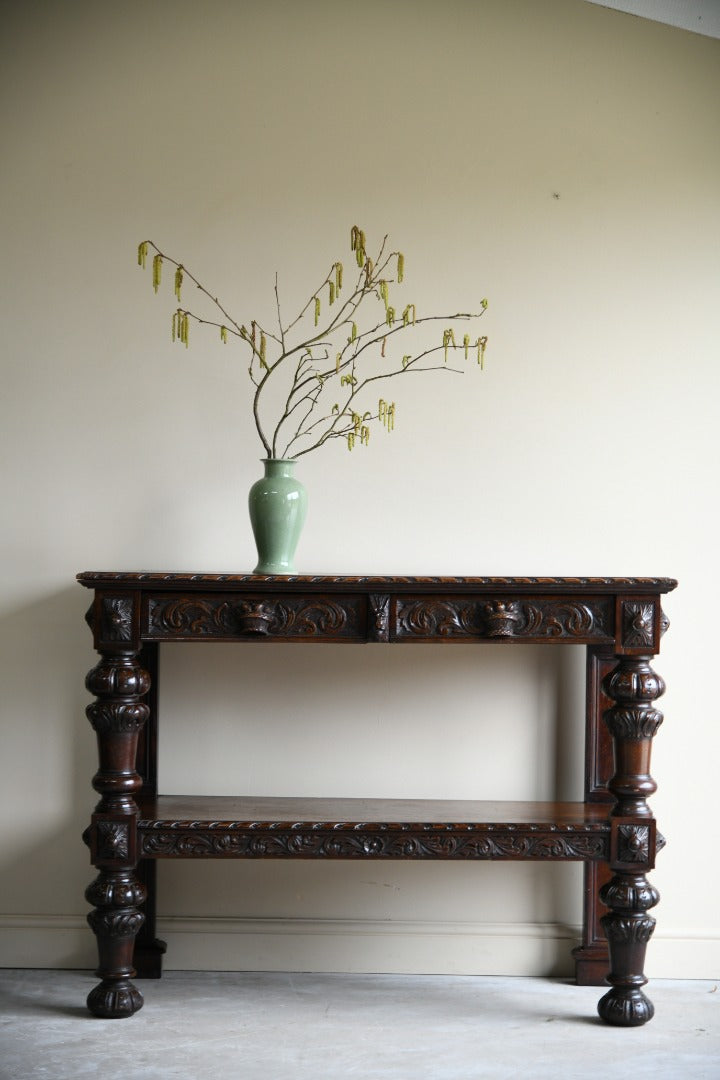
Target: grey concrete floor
[(196, 1025)]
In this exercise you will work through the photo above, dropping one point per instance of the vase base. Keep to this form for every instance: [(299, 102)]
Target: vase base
[(276, 569)]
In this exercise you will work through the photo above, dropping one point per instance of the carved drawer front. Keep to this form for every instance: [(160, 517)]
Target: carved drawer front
[(196, 618), (505, 618)]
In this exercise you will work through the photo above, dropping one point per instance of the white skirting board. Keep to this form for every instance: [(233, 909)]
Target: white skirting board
[(459, 948)]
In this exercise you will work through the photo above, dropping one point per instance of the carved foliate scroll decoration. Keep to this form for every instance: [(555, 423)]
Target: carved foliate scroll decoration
[(278, 840), (438, 618), (506, 618), (193, 617)]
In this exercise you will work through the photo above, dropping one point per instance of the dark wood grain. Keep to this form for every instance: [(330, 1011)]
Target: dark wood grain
[(612, 831)]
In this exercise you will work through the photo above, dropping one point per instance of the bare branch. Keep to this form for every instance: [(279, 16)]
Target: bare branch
[(344, 346)]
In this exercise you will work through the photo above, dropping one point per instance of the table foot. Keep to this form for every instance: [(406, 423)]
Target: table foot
[(113, 1000), (625, 1007)]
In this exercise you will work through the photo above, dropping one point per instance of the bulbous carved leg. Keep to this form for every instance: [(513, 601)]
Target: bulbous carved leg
[(115, 921), (632, 722), (628, 929), (118, 716)]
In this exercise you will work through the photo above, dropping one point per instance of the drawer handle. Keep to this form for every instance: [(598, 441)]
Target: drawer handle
[(255, 618)]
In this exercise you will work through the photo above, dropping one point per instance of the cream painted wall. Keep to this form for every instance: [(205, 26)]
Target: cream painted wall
[(560, 158)]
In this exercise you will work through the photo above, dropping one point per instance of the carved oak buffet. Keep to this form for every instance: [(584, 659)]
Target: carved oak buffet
[(613, 832)]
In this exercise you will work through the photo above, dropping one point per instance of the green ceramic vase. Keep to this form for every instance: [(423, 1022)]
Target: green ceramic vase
[(278, 503)]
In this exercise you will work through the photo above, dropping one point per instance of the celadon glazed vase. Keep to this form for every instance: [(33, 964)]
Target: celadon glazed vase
[(278, 503)]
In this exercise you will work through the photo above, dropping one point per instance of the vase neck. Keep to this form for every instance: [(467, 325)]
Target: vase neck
[(279, 466)]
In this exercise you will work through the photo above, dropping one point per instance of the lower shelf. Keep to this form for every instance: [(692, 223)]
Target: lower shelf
[(179, 826)]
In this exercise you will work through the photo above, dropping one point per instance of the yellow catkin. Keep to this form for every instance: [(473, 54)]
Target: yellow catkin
[(406, 360), (331, 285), (157, 271), (382, 285), (401, 266), (365, 434), (338, 276), (174, 326), (223, 334), (353, 332), (178, 281), (357, 244), (317, 310), (391, 417), (448, 340), (351, 440), (338, 358), (466, 344), (263, 348), (382, 410), (142, 253), (390, 316)]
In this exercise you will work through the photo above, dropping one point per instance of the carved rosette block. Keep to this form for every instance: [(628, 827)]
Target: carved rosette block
[(117, 715), (632, 721)]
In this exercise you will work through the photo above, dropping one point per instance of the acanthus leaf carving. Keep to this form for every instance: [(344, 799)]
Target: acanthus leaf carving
[(195, 617), (630, 930), (438, 618), (117, 716), (633, 722), (277, 841), (505, 617)]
